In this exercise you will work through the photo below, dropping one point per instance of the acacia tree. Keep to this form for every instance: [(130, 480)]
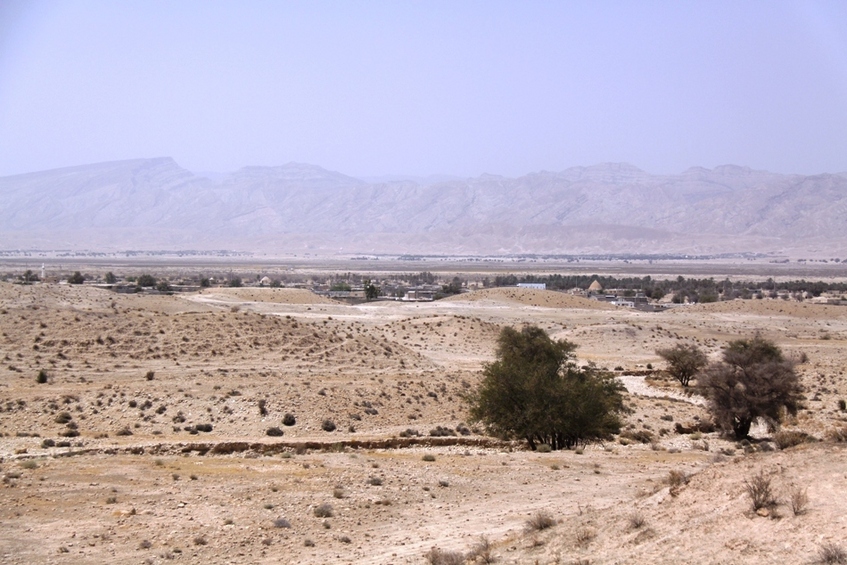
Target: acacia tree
[(684, 361), (535, 391), (754, 380)]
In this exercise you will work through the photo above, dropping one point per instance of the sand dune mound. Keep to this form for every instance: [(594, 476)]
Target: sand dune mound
[(769, 308), (532, 297), (273, 295)]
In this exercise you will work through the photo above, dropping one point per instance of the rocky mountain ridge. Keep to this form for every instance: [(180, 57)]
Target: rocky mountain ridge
[(155, 203)]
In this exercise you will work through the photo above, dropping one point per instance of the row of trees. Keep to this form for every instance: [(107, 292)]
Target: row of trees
[(696, 290), (535, 391)]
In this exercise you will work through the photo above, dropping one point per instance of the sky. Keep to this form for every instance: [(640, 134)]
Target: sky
[(372, 88)]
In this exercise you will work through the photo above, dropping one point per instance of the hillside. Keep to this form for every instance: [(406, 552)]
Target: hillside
[(150, 440)]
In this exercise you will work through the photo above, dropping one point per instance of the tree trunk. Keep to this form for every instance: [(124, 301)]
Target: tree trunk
[(741, 427)]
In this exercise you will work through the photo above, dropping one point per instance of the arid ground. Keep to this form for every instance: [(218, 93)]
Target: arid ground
[(149, 440)]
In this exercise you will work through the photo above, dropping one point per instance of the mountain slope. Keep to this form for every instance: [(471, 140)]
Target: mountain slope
[(154, 203)]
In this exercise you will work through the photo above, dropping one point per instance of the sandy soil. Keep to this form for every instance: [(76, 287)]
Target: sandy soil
[(142, 483)]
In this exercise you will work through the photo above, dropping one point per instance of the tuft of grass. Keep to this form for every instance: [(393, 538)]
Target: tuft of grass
[(338, 492), (540, 521), (375, 481), (636, 520), (200, 540), (428, 457)]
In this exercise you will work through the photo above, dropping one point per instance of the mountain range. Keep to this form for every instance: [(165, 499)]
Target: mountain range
[(607, 208)]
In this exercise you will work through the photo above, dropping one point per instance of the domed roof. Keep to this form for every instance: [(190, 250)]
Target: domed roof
[(595, 286)]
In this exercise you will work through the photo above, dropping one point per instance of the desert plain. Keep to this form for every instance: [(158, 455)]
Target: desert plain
[(149, 441)]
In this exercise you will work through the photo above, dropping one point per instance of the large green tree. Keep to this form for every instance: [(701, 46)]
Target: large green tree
[(535, 391), (754, 380)]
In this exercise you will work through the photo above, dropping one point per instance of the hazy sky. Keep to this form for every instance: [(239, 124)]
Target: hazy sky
[(399, 87)]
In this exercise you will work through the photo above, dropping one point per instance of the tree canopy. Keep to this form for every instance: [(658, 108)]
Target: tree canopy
[(535, 391), (754, 380), (684, 361)]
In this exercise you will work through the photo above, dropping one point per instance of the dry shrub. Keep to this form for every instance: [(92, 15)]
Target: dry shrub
[(838, 435), (540, 521), (584, 536), (324, 510), (438, 556), (640, 436), (799, 500), (481, 551), (677, 478), (281, 523), (832, 554), (789, 438), (760, 491)]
